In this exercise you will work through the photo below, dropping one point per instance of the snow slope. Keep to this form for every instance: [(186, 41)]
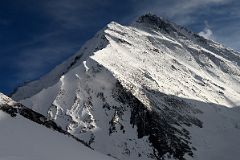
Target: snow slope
[(152, 90), (22, 139)]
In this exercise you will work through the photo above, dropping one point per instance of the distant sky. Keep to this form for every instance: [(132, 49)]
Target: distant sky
[(36, 35)]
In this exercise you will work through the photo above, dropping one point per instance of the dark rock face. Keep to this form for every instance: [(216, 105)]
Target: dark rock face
[(156, 21), (163, 124)]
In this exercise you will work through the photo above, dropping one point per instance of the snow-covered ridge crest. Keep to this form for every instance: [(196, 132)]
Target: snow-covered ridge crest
[(99, 41), (6, 100)]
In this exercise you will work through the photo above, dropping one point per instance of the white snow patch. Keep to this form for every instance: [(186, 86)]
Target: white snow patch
[(85, 66)]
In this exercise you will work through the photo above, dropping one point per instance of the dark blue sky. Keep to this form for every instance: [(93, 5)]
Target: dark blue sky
[(36, 35)]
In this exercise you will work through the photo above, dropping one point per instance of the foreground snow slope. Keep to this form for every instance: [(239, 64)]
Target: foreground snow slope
[(152, 90), (22, 139)]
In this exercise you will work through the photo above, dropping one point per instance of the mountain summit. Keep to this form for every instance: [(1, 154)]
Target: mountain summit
[(152, 90)]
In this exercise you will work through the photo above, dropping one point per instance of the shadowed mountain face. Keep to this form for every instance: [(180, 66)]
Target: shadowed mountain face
[(152, 90), (164, 123)]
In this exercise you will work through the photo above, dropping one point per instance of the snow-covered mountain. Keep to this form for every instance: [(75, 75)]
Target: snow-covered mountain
[(22, 139), (151, 90)]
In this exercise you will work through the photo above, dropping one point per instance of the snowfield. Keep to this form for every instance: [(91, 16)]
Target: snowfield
[(152, 90), (22, 139)]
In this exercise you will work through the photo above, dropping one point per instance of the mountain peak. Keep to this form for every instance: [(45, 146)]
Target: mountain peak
[(165, 26), (151, 19), (156, 21), (137, 90)]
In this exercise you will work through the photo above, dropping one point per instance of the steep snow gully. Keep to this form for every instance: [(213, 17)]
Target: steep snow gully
[(151, 90)]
